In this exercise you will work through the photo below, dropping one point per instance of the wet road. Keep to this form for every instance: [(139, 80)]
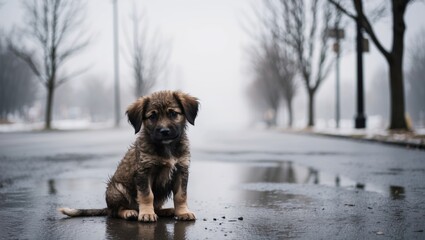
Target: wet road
[(243, 185)]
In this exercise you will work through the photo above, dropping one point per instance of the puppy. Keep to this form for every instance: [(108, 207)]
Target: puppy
[(156, 166)]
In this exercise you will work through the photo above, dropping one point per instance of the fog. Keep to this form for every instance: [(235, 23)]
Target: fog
[(208, 59)]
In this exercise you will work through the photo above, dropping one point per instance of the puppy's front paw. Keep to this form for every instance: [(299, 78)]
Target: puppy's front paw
[(185, 216), (148, 217)]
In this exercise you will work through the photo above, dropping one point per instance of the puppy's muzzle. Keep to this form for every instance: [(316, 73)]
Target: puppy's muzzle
[(165, 134)]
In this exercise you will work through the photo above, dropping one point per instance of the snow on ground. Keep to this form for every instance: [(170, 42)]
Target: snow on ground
[(70, 124), (376, 129)]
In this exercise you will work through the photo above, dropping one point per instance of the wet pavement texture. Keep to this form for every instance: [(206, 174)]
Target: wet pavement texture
[(242, 185)]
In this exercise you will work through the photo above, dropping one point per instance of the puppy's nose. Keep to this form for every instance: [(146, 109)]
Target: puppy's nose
[(164, 131)]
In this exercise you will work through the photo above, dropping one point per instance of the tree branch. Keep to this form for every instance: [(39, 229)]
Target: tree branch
[(28, 59), (369, 30), (62, 57), (365, 24), (66, 78), (343, 10)]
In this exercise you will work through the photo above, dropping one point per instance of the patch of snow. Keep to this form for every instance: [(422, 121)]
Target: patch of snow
[(67, 124)]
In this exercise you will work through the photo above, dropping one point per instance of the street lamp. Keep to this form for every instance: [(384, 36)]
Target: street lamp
[(362, 46), (116, 64), (338, 34)]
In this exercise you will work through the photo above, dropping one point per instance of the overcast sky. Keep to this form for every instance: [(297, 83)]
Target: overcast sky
[(208, 56)]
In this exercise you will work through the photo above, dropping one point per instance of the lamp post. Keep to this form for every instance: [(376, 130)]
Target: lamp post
[(360, 118), (116, 64), (338, 34)]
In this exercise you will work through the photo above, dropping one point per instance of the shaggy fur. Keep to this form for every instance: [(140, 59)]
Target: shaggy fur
[(156, 166)]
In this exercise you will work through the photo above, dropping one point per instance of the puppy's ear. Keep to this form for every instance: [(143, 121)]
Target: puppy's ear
[(188, 104), (136, 113)]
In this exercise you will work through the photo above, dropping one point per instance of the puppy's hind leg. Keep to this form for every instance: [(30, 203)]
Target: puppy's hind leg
[(128, 214), (120, 202)]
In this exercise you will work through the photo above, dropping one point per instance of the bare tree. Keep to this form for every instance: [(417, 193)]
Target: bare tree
[(283, 68), (304, 40), (51, 40), (264, 92), (265, 97), (302, 27), (394, 57), (273, 61), (149, 56), (274, 78)]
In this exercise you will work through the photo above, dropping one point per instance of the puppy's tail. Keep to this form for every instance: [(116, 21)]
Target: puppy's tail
[(83, 212)]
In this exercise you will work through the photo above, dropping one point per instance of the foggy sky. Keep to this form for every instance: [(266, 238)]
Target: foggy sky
[(208, 56)]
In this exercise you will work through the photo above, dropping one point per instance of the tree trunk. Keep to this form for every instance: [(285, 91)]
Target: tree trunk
[(398, 121), (310, 108), (49, 107), (290, 117)]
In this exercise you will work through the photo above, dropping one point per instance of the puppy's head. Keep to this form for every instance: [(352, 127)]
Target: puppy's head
[(163, 115)]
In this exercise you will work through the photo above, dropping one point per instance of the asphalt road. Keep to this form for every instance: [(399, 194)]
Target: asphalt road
[(242, 185)]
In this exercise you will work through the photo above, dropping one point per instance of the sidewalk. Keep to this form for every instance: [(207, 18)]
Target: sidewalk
[(414, 139)]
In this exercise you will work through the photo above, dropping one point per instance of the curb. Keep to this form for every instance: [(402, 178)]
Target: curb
[(377, 139), (411, 143)]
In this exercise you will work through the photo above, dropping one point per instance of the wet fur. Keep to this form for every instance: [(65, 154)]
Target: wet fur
[(155, 166)]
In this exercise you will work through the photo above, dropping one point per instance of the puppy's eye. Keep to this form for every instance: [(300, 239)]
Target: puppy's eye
[(172, 114), (153, 116)]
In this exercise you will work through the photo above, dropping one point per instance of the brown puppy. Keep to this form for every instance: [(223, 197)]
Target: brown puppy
[(156, 165)]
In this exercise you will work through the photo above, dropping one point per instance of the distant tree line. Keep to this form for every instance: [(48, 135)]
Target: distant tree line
[(293, 46), (53, 32), (299, 30), (18, 88), (416, 80)]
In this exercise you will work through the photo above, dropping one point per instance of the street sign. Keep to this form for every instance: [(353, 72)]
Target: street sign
[(336, 33), (335, 47), (365, 45)]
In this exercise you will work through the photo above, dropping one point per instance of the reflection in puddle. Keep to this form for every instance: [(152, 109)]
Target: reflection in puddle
[(52, 187), (289, 172), (163, 229), (397, 192)]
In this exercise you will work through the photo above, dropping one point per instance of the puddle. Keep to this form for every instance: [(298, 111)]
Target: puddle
[(287, 172), (165, 228), (219, 193)]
